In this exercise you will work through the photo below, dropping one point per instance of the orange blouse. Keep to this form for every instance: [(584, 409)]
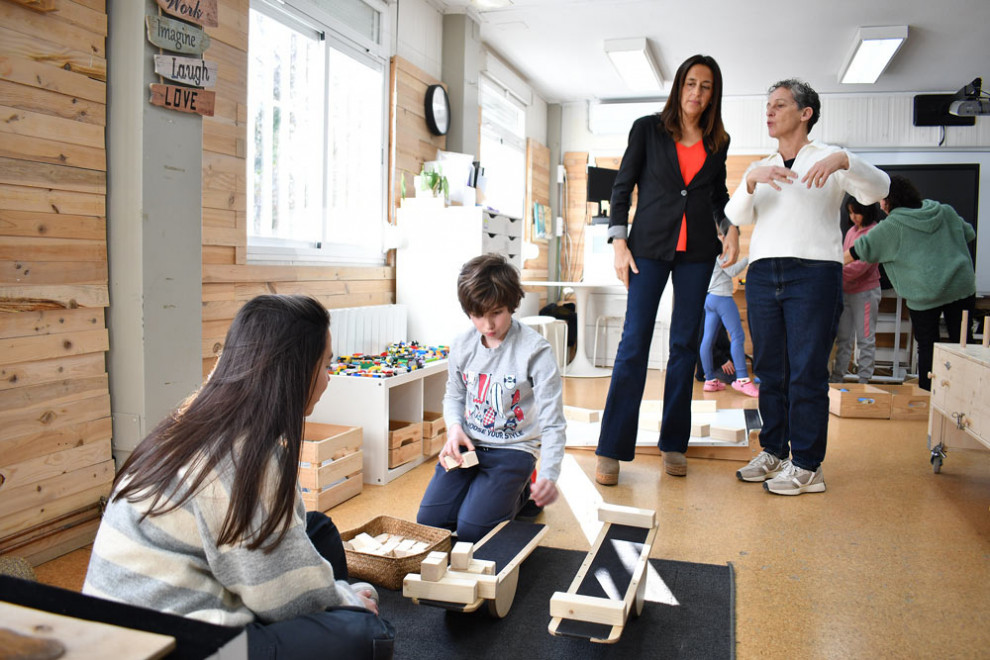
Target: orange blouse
[(690, 160)]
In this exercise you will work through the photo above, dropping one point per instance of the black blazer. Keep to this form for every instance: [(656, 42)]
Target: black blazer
[(650, 162)]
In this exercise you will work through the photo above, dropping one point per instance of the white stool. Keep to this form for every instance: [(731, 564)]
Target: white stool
[(598, 322), (554, 330)]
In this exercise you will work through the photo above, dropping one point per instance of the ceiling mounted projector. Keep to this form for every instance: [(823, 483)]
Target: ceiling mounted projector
[(970, 101)]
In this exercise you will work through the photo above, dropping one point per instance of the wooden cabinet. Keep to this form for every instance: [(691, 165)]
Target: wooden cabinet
[(375, 404), (960, 408)]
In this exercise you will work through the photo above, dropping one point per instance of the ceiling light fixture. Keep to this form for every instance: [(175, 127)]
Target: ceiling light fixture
[(871, 52), (634, 61)]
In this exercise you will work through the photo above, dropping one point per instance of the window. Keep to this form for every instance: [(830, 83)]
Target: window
[(503, 150), (316, 164)]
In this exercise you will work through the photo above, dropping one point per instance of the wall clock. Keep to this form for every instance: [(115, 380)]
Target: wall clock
[(437, 110)]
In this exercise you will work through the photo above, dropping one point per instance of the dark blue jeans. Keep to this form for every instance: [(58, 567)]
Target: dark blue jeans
[(339, 632), (472, 501), (625, 393), (794, 307)]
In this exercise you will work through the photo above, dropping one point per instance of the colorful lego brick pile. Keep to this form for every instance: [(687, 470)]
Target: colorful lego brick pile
[(397, 358)]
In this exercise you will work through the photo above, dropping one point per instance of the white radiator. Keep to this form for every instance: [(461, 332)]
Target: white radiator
[(367, 330)]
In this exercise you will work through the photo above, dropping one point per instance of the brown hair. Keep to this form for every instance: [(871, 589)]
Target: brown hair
[(712, 129), (487, 283), (251, 409)]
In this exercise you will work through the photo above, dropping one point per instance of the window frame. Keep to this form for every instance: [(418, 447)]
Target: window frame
[(308, 17)]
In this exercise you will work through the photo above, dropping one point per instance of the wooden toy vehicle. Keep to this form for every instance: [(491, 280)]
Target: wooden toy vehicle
[(619, 558), (485, 573)]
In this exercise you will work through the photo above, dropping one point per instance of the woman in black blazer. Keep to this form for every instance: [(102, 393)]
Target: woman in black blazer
[(677, 161)]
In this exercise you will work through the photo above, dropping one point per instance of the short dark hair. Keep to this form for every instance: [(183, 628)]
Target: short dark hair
[(804, 95), (870, 212), (487, 283), (902, 193)]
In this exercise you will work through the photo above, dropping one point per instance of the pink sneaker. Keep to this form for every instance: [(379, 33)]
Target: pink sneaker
[(747, 388), (714, 385)]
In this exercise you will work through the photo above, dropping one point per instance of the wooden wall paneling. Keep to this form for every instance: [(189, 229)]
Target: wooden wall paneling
[(26, 374), (55, 452), (537, 191), (575, 214), (64, 56), (34, 99), (27, 198), (410, 142)]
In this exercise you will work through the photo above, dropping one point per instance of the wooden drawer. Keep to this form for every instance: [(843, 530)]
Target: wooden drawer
[(405, 442), (432, 446), (433, 424), (330, 467), (960, 382), (907, 401), (855, 400)]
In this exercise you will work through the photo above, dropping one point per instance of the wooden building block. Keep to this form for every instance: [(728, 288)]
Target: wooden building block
[(481, 567), (434, 566), (487, 584), (727, 434), (460, 556), (704, 405), (588, 608), (576, 414), (448, 589), (699, 430), (627, 515), (468, 459), (856, 400)]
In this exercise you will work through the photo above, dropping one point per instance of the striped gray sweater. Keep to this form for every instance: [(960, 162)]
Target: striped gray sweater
[(172, 563)]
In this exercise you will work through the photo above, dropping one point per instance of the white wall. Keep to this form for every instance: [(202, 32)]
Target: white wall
[(418, 30)]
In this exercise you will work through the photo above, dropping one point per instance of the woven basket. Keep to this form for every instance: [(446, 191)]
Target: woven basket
[(389, 572)]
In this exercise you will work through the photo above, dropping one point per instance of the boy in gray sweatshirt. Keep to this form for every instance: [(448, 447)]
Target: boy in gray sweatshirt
[(504, 400)]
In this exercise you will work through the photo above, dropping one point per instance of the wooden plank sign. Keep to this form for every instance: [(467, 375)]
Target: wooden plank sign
[(203, 12), (176, 36), (187, 70), (183, 99)]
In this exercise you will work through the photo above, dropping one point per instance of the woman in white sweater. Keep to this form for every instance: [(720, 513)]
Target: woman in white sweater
[(206, 520)]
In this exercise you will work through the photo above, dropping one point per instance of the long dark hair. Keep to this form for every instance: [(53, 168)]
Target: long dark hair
[(250, 409), (712, 129)]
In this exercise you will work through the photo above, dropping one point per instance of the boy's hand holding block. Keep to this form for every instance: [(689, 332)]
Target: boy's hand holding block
[(468, 459)]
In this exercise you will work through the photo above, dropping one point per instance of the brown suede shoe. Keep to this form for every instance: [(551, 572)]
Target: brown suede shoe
[(607, 472), (674, 463)]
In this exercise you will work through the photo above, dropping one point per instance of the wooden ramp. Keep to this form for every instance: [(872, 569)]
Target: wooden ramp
[(611, 582), (485, 573)]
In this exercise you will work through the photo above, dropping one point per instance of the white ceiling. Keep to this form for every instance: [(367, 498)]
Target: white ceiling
[(557, 44)]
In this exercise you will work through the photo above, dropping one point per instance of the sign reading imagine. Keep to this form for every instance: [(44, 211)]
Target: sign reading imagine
[(176, 36)]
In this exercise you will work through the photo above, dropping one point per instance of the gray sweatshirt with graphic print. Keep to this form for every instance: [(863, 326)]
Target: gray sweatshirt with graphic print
[(510, 396)]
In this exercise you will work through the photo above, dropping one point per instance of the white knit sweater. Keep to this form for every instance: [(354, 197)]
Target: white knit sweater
[(798, 221)]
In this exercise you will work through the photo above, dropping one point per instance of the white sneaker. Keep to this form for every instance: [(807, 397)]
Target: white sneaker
[(793, 480), (764, 466)]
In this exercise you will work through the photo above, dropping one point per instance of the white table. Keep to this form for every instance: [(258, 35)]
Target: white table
[(581, 366)]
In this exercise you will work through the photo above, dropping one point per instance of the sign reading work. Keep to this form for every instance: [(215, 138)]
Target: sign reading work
[(183, 99), (187, 70), (202, 12), (176, 36)]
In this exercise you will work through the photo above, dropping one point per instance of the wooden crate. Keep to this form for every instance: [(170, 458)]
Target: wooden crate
[(907, 401), (432, 446), (856, 400), (405, 442), (330, 469), (433, 424)]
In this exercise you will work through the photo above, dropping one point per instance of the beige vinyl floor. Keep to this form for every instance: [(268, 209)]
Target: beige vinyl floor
[(893, 561)]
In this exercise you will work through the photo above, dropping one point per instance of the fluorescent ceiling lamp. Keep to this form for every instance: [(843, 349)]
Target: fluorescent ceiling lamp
[(871, 52), (634, 61)]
